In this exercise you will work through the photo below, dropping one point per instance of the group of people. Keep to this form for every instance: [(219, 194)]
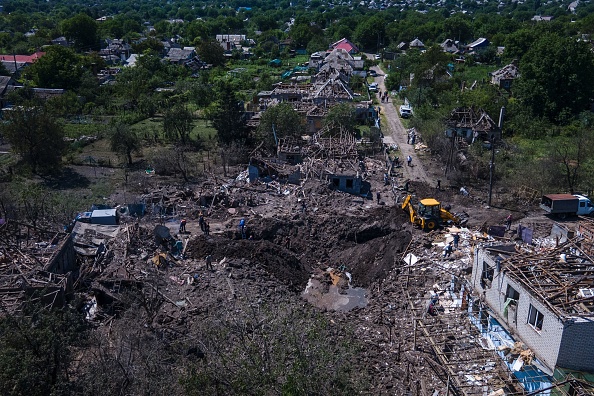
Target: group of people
[(204, 225), (384, 97)]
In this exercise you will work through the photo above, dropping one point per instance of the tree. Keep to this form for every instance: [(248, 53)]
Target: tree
[(281, 120), (341, 118), (370, 33), (36, 350), (211, 52), (82, 29), (59, 68), (557, 77), (227, 116), (123, 140), (570, 154), (36, 136), (177, 124)]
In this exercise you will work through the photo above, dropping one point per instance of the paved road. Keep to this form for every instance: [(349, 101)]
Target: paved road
[(394, 132)]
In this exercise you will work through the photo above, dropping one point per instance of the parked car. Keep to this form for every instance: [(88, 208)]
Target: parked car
[(405, 111), (378, 56), (372, 73), (373, 87)]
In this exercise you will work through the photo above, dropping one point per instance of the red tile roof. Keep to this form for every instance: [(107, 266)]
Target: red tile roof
[(22, 58), (345, 45)]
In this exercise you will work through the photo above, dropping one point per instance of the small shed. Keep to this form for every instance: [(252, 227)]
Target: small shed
[(352, 184), (104, 217)]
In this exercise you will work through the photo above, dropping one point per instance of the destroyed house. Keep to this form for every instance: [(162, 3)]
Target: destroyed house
[(503, 77), (352, 184), (471, 125), (543, 297)]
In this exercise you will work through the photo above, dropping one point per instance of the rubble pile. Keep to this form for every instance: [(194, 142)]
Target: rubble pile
[(359, 262)]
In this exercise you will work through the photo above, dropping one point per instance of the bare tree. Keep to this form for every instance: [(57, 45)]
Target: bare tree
[(570, 155)]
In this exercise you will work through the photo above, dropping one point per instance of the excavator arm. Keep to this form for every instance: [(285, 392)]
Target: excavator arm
[(414, 217)]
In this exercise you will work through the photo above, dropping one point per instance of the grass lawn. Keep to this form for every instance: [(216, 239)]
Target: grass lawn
[(475, 72), (73, 130)]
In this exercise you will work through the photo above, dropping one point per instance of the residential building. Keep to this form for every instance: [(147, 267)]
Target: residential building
[(471, 125), (544, 297), (504, 77), (345, 44)]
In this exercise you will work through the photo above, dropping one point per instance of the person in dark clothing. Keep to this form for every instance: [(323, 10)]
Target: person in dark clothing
[(378, 196), (206, 228), (456, 240), (201, 222), (508, 222)]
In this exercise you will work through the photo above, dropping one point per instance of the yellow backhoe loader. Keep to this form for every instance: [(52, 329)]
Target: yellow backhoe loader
[(430, 215)]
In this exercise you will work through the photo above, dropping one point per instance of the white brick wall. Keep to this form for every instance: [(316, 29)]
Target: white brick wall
[(544, 343)]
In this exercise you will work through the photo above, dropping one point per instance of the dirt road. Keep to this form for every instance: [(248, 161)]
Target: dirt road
[(394, 132)]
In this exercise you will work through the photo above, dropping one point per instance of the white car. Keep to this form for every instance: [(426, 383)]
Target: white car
[(373, 87), (378, 56)]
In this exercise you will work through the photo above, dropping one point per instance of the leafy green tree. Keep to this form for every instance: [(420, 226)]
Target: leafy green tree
[(150, 44), (301, 34), (59, 68), (341, 118), (557, 77), (370, 32), (177, 123), (36, 350), (123, 140), (458, 27), (282, 120), (570, 155), (36, 136), (82, 29), (211, 52), (227, 116)]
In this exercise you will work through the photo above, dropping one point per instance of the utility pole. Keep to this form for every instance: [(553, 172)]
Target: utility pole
[(492, 163)]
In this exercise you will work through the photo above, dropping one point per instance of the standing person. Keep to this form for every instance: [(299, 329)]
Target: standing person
[(409, 160), (406, 185), (209, 262), (456, 240), (508, 222), (207, 228), (201, 221), (413, 138), (242, 228), (378, 196), (439, 184), (182, 226), (447, 250), (288, 242)]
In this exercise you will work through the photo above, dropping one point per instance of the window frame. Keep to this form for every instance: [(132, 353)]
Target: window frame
[(533, 316), (512, 293)]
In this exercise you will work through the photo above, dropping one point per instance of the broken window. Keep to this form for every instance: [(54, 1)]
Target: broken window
[(535, 318), (349, 183), (512, 293), (487, 275)]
